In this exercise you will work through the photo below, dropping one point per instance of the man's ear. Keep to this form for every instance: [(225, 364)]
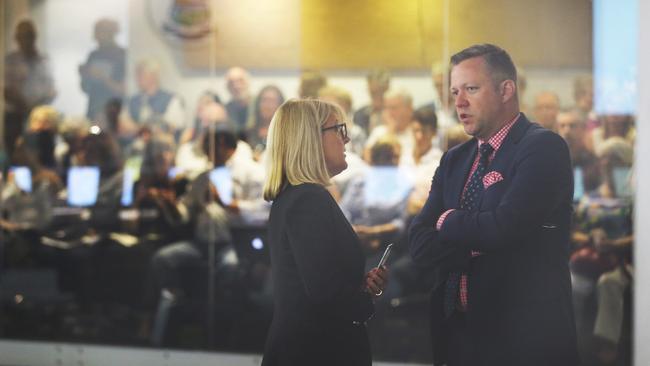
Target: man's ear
[(508, 90)]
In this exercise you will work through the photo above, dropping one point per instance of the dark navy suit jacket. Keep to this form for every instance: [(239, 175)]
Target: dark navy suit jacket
[(519, 289)]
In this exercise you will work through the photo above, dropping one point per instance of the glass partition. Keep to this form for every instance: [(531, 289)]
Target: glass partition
[(134, 134)]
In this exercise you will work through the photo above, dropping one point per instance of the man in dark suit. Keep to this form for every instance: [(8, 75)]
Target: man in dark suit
[(495, 228)]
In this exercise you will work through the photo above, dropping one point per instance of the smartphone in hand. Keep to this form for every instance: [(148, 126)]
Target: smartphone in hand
[(384, 257)]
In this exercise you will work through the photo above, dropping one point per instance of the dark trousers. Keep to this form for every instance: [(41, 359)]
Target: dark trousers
[(459, 345)]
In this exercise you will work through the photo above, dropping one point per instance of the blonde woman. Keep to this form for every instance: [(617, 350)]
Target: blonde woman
[(322, 296)]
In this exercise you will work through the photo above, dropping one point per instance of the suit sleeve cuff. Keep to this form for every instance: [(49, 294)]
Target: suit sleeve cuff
[(442, 218)]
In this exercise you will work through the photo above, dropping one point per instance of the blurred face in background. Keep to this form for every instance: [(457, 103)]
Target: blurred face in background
[(26, 36), (212, 113), (423, 135), (617, 124), (547, 106), (571, 128), (377, 90), (147, 80), (269, 102), (237, 83), (399, 112), (105, 31)]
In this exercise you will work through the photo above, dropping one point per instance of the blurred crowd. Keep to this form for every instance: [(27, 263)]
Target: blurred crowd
[(188, 187)]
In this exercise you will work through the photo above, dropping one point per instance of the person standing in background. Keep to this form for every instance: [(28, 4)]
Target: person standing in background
[(103, 74), (28, 82)]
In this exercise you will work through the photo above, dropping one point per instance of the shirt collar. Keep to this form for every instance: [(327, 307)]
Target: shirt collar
[(496, 140)]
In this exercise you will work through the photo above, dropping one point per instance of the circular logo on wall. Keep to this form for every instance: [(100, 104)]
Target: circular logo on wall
[(181, 19)]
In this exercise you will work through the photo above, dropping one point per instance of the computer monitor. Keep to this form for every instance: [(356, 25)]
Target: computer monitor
[(128, 181), (83, 185), (22, 177), (222, 181), (386, 184), (578, 184)]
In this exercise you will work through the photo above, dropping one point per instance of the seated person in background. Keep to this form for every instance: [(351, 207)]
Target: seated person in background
[(343, 99), (245, 206), (152, 104), (99, 148), (72, 131), (574, 131), (621, 125), (156, 194), (375, 203), (397, 117), (191, 159), (454, 135), (41, 135), (267, 101), (604, 238), (546, 108), (210, 214), (369, 116), (583, 97), (311, 81), (28, 207), (237, 83), (426, 156), (26, 201)]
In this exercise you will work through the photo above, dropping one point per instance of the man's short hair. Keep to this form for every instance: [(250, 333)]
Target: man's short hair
[(497, 59), (402, 94), (379, 76)]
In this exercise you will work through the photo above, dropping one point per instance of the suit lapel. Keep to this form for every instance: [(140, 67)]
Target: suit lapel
[(461, 175), (505, 153)]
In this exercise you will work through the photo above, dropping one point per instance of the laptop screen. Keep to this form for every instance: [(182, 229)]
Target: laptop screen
[(22, 177), (578, 184), (83, 185), (222, 180)]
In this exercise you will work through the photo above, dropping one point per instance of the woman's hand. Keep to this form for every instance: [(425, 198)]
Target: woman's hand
[(376, 280)]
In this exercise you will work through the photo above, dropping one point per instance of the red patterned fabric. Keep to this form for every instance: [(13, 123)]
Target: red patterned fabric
[(491, 178)]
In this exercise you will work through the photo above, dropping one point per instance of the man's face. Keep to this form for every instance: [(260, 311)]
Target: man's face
[(237, 84), (146, 79), (376, 89), (478, 101), (570, 127), (547, 107), (25, 36), (399, 111)]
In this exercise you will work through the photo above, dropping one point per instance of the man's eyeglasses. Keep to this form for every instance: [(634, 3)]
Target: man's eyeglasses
[(341, 128)]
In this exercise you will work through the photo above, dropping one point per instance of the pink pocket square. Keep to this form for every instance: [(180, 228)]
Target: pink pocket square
[(491, 178)]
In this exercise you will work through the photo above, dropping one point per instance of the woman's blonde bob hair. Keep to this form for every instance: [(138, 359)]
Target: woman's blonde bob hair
[(294, 148)]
